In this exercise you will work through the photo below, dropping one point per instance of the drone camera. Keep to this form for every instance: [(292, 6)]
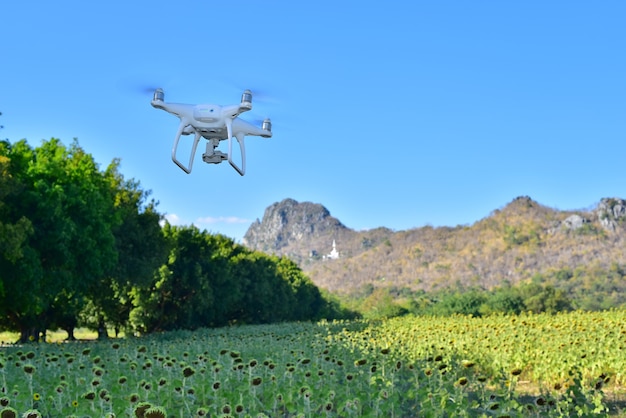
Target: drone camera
[(246, 99), (159, 96)]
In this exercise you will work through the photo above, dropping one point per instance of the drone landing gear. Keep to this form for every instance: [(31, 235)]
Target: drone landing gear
[(211, 156)]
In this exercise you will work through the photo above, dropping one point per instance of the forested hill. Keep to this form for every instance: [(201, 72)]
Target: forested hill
[(522, 240)]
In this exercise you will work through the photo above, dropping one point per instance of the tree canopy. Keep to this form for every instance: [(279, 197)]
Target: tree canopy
[(209, 280)]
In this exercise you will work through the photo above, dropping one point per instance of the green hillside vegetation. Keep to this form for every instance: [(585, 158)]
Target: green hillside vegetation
[(84, 247)]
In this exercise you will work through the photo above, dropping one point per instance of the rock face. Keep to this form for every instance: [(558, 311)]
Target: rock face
[(290, 222), (574, 222), (611, 212)]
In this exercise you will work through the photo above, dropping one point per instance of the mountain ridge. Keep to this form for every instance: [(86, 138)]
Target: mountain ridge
[(511, 244)]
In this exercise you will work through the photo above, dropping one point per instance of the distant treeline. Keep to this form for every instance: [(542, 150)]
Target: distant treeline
[(586, 288), (85, 247)]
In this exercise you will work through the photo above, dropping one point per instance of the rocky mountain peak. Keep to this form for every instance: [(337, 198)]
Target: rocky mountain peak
[(611, 212), (521, 204), (289, 222)]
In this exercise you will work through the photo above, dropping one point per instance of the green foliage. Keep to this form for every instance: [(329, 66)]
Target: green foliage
[(589, 288), (14, 230), (141, 248), (209, 280), (505, 300), (380, 304), (539, 299), (463, 303), (309, 302), (521, 233), (64, 197), (390, 302), (193, 288)]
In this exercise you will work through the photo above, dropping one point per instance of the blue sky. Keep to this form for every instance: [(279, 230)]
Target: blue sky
[(397, 114)]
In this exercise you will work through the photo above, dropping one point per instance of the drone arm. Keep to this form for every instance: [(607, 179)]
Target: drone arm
[(177, 109), (186, 169)]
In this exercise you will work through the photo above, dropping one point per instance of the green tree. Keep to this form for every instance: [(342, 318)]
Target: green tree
[(141, 248), (539, 298), (265, 297), (380, 305), (505, 300), (193, 288), (467, 302), (14, 227), (65, 198), (309, 302), (180, 291), (209, 280)]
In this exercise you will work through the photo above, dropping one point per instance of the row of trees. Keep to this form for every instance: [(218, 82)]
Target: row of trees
[(81, 246), (506, 299), (208, 280)]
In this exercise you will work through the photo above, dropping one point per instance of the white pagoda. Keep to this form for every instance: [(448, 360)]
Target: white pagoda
[(334, 254)]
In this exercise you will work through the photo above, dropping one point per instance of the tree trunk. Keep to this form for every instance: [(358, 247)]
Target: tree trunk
[(102, 330), (29, 335), (70, 333)]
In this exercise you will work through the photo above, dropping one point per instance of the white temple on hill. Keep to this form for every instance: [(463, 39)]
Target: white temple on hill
[(334, 254)]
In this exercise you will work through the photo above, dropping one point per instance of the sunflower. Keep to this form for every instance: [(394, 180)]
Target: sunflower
[(8, 412), (155, 412), (188, 371), (141, 408)]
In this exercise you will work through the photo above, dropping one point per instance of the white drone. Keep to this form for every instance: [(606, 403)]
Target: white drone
[(214, 123)]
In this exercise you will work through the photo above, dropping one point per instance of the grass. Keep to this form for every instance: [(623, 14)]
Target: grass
[(54, 336)]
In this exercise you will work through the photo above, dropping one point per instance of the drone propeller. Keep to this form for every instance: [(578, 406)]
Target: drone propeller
[(147, 89), (143, 86), (260, 95)]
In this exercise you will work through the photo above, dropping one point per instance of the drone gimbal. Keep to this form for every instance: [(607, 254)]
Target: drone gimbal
[(214, 123)]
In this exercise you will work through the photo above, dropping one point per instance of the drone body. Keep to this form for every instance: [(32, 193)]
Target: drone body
[(214, 123)]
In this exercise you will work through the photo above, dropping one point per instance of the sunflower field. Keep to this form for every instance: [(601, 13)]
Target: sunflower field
[(562, 365)]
